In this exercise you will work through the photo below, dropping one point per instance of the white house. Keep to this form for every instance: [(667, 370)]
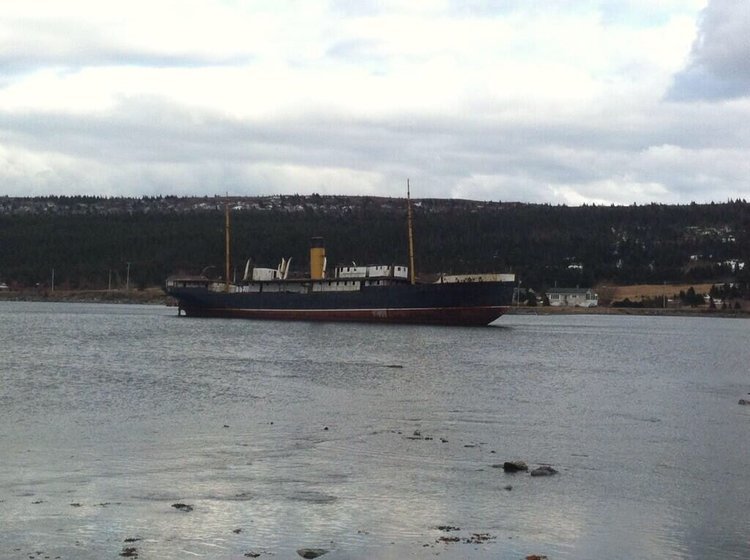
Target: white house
[(572, 297)]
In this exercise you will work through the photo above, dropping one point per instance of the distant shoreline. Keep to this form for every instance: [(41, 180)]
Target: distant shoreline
[(156, 296), (149, 296), (648, 311)]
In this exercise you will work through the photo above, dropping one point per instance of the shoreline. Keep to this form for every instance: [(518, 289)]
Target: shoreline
[(645, 311), (148, 296), (157, 296)]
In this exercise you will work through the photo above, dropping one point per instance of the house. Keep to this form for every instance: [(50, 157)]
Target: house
[(572, 297)]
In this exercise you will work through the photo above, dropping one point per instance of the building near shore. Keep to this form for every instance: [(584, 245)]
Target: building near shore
[(477, 277), (572, 297)]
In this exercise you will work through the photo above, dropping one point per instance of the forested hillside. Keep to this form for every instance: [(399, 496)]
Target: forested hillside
[(88, 241)]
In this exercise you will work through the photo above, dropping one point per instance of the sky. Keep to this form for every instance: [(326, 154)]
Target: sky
[(556, 101)]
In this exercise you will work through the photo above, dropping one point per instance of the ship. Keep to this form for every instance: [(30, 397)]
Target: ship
[(372, 293)]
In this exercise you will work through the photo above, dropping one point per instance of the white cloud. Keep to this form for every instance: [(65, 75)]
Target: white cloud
[(611, 191)]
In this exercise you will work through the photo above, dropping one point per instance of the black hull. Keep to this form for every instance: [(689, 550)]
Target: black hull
[(465, 303)]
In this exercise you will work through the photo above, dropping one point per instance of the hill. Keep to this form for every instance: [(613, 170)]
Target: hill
[(89, 241)]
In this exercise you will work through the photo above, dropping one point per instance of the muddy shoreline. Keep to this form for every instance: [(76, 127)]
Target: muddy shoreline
[(156, 296), (643, 311), (152, 296)]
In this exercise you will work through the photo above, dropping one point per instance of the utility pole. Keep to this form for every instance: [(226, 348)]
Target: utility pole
[(518, 294), (109, 281), (127, 279), (410, 227), (53, 280), (226, 245)]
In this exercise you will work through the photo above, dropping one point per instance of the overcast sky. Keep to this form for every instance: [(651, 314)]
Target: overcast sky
[(559, 101)]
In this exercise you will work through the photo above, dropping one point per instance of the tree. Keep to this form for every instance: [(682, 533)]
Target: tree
[(690, 297), (531, 298)]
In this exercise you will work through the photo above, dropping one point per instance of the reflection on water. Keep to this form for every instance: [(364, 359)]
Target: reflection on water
[(365, 439)]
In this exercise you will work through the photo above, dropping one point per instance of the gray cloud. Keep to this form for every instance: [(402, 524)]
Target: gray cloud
[(33, 45), (719, 66), (152, 146)]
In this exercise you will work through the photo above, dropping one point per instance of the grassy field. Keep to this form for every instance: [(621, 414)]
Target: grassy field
[(637, 292)]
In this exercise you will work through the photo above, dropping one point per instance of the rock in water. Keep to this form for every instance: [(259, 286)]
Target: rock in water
[(743, 401), (311, 552), (544, 470), (515, 466), (183, 507)]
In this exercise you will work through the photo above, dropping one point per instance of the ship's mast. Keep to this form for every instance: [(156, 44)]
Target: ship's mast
[(226, 246), (411, 233)]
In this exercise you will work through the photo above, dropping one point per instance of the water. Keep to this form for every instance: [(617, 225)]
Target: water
[(364, 440)]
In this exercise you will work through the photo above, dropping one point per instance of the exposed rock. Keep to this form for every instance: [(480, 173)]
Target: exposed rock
[(129, 552), (311, 552), (743, 401), (447, 528), (536, 557), (183, 507), (544, 470), (508, 488), (515, 466), (448, 540), (479, 538), (252, 554)]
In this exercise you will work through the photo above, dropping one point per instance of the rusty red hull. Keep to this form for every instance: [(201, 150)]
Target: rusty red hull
[(458, 316)]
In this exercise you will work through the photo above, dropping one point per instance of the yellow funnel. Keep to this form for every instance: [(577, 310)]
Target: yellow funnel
[(317, 258)]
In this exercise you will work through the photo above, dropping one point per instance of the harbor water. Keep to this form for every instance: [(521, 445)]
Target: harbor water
[(126, 430)]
